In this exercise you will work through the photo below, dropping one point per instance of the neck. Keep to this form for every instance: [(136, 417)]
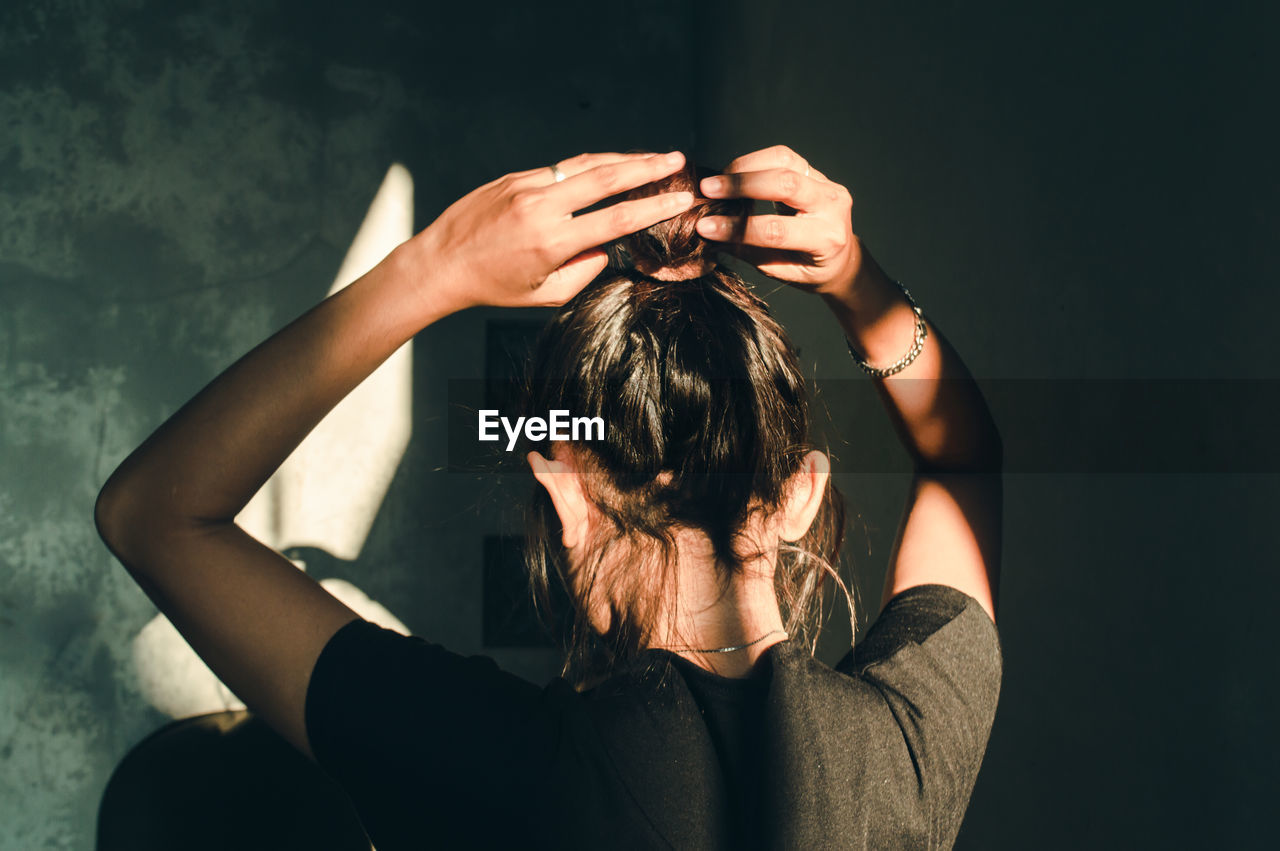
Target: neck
[(707, 618)]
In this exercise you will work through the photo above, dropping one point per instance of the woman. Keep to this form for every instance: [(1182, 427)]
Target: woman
[(697, 720)]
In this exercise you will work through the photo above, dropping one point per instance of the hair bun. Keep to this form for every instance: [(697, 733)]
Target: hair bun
[(674, 243)]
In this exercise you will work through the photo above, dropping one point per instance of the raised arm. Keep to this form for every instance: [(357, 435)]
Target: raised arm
[(950, 531), (168, 511), (950, 528)]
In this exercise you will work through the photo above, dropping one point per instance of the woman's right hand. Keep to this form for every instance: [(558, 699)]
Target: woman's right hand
[(515, 242)]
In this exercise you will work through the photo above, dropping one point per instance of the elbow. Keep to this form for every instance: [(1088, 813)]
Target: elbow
[(108, 515), (989, 457), (136, 519), (118, 515), (993, 452), (983, 455), (986, 455)]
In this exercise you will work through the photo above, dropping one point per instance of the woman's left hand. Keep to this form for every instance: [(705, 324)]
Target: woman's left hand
[(815, 249)]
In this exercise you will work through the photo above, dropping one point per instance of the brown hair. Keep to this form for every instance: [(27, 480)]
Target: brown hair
[(707, 419)]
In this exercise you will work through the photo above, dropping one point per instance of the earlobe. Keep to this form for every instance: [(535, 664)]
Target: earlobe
[(565, 489), (808, 489)]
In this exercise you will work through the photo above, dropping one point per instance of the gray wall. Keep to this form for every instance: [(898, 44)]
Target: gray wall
[(1071, 193), (177, 180)]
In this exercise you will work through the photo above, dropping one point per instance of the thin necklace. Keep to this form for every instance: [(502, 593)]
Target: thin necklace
[(728, 649)]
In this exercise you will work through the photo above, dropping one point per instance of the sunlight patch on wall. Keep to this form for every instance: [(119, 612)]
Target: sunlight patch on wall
[(327, 494)]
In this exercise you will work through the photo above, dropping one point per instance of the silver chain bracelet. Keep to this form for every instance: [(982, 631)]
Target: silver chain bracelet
[(917, 344)]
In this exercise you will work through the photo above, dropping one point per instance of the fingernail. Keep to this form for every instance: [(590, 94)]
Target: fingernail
[(708, 227), (680, 199), (675, 157), (714, 186)]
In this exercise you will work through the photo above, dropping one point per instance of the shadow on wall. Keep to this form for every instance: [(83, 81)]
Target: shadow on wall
[(223, 779), (326, 494), (219, 781)]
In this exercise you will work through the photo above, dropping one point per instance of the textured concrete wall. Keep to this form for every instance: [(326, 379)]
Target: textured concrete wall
[(1070, 190), (179, 179)]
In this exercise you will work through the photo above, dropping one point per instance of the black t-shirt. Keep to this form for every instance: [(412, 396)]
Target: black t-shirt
[(442, 750)]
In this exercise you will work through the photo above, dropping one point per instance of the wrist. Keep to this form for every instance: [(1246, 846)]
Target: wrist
[(864, 293), (856, 287), (877, 317), (423, 271)]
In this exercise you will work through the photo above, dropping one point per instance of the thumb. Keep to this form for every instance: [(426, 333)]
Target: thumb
[(574, 274)]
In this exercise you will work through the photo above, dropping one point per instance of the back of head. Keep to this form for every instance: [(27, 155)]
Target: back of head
[(706, 420)]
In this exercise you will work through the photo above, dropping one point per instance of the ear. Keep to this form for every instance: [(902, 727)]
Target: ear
[(564, 486), (807, 488)]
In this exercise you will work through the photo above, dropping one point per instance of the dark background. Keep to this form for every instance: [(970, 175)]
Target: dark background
[(1072, 191)]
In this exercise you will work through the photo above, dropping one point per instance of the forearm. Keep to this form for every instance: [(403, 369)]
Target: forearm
[(206, 462), (513, 242), (936, 407)]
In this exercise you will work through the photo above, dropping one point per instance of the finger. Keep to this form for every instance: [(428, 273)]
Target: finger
[(544, 176), (585, 162), (604, 180), (777, 156), (757, 255), (618, 220), (568, 280), (781, 185), (794, 267), (792, 233)]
